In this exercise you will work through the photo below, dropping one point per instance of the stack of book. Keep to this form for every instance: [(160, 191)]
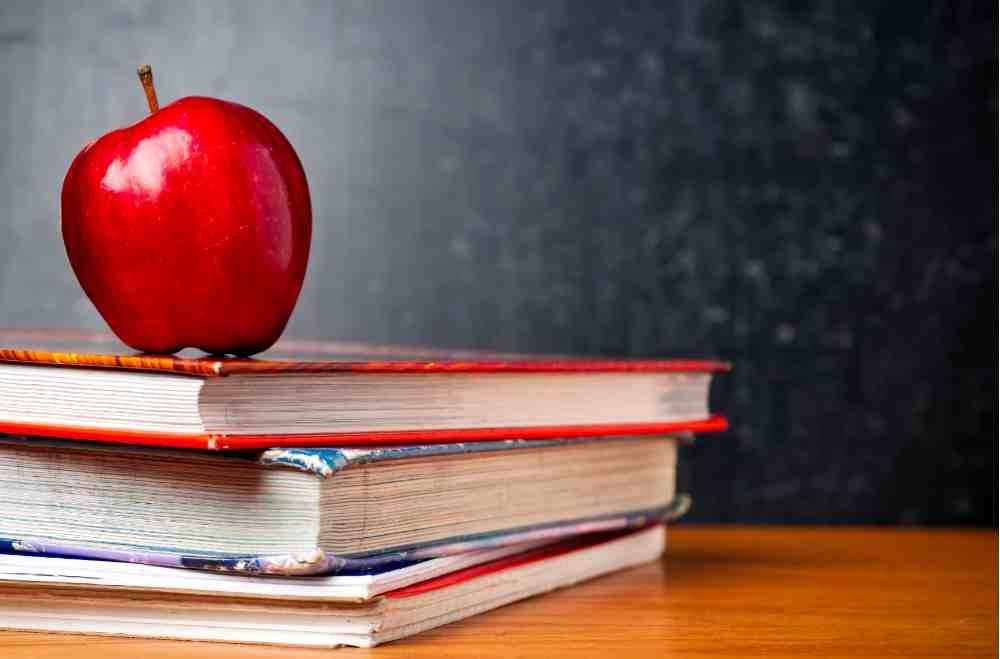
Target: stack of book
[(350, 496)]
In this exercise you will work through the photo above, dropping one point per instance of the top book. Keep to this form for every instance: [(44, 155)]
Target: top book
[(82, 385)]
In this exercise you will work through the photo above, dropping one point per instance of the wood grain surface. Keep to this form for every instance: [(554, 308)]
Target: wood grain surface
[(729, 592)]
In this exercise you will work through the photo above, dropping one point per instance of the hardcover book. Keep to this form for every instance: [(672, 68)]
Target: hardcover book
[(58, 595), (302, 393), (323, 510)]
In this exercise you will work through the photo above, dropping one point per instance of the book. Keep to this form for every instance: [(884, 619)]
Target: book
[(323, 510), (357, 584), (88, 387), (42, 595)]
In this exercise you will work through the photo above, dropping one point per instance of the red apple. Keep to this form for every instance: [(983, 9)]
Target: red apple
[(190, 228)]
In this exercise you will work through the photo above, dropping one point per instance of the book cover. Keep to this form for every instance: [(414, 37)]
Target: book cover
[(97, 350)]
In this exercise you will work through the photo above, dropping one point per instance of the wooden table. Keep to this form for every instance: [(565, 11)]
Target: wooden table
[(736, 591)]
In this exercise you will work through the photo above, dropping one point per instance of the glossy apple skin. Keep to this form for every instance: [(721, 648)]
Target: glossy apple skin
[(190, 228)]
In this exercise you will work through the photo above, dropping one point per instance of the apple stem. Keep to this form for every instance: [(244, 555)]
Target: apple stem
[(146, 78)]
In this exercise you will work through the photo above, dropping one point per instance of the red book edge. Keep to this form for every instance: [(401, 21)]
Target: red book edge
[(517, 560), (238, 442), (96, 350), (83, 349), (217, 367)]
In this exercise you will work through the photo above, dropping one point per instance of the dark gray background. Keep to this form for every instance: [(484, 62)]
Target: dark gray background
[(806, 189)]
